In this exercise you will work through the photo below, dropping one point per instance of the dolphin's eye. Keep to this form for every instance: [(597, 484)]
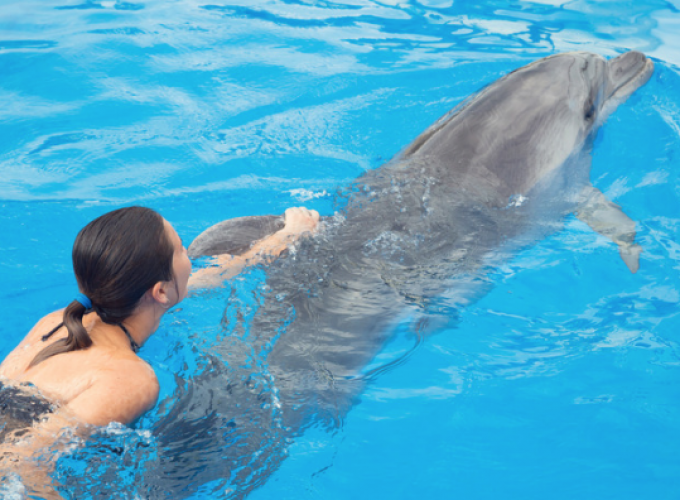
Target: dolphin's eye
[(590, 112)]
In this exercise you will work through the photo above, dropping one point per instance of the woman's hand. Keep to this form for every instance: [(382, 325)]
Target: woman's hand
[(300, 220), (297, 221)]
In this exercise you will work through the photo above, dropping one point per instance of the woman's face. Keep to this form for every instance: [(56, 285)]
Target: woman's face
[(181, 265)]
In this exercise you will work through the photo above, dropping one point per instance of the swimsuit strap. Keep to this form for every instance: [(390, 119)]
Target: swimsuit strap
[(51, 332), (133, 345)]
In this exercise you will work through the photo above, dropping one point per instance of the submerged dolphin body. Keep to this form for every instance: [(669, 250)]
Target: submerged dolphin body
[(494, 175)]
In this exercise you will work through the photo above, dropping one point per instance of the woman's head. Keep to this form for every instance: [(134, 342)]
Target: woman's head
[(117, 258)]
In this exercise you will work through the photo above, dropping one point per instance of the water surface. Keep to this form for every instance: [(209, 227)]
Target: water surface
[(561, 381)]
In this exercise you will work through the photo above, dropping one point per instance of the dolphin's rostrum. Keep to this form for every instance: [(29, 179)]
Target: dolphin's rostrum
[(416, 236)]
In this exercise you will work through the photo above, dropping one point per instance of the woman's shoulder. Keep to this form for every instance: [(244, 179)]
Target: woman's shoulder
[(120, 392), (131, 375), (124, 370)]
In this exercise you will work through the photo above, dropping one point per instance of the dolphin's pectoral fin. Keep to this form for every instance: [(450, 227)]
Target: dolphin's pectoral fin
[(606, 218), (631, 256)]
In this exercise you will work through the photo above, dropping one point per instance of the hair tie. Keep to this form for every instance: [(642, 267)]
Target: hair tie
[(84, 300)]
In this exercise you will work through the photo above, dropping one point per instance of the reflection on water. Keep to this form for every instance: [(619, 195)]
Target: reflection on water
[(207, 111)]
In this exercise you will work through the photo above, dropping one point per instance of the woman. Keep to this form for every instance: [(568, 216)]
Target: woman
[(79, 365)]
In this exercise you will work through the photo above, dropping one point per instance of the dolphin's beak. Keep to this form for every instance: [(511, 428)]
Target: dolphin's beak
[(627, 73)]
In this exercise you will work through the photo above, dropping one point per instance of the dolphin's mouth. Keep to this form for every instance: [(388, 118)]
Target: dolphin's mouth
[(627, 73)]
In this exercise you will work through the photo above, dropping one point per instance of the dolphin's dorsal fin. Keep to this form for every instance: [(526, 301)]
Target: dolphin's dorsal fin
[(606, 218)]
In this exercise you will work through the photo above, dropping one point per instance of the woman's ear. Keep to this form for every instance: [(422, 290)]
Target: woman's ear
[(159, 293)]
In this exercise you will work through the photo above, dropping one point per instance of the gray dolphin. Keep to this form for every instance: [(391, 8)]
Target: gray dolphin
[(416, 236)]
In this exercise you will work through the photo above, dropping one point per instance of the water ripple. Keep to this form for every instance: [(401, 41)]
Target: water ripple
[(219, 108)]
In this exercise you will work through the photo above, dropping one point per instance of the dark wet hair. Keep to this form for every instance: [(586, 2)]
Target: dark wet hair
[(116, 259)]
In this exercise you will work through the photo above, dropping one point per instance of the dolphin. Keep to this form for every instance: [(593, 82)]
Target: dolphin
[(415, 238)]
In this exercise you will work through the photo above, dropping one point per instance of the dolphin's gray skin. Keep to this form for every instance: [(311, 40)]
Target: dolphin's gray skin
[(494, 175)]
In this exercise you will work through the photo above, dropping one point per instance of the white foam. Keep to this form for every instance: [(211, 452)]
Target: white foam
[(517, 200), (118, 429), (12, 488), (305, 194)]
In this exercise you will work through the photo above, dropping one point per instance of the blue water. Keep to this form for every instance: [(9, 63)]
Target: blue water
[(561, 382)]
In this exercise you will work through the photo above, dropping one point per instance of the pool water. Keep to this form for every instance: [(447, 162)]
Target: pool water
[(560, 382)]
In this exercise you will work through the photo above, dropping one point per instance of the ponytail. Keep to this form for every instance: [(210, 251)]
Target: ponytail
[(77, 337)]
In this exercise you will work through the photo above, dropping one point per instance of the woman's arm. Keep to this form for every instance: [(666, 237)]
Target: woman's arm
[(298, 221), (31, 454), (119, 394)]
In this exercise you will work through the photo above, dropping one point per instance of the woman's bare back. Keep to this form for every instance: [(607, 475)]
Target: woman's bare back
[(95, 384)]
